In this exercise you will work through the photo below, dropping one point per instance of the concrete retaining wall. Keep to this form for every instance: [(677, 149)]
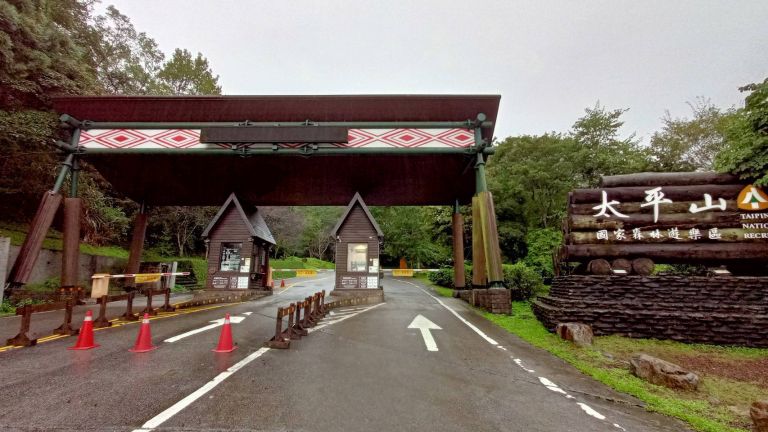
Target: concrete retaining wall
[(718, 310), (48, 265)]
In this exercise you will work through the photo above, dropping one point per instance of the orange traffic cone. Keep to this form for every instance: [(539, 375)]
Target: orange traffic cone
[(282, 283), (85, 338), (225, 338), (144, 340)]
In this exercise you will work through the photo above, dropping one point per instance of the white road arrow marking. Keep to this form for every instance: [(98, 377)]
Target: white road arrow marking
[(425, 325), (216, 323)]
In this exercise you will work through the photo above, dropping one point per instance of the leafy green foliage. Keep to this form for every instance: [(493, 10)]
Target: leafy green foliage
[(409, 234), (601, 150), (183, 74), (523, 282), (541, 244), (690, 144), (443, 277), (747, 137)]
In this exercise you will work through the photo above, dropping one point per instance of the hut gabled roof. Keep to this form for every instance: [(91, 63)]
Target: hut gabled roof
[(357, 199), (252, 219)]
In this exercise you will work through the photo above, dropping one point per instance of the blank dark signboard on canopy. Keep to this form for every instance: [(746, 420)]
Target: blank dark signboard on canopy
[(278, 151)]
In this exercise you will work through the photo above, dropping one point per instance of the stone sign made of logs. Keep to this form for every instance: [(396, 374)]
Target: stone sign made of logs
[(632, 221)]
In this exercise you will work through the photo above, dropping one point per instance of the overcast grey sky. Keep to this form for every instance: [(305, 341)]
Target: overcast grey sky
[(548, 59)]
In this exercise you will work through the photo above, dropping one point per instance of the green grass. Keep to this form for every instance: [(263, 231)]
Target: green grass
[(282, 274), (694, 408), (300, 263)]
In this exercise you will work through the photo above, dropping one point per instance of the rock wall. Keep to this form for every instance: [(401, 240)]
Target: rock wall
[(494, 300), (48, 265), (718, 310)]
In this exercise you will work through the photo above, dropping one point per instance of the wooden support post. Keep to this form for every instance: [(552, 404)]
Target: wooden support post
[(479, 278), (458, 249), (25, 262), (491, 241), (71, 250), (137, 246)]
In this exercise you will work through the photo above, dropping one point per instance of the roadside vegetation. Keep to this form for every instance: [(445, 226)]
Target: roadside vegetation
[(731, 377)]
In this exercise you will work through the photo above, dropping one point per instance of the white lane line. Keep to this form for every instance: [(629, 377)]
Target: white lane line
[(247, 313), (316, 328), (501, 347), (216, 323), (180, 405), (468, 324), (588, 409), (520, 363), (218, 379)]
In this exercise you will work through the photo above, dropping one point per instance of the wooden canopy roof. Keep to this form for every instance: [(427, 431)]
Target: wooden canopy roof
[(357, 200), (413, 176), (251, 218)]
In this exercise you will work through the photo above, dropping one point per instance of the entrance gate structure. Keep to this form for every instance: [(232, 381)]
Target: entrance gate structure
[(277, 151)]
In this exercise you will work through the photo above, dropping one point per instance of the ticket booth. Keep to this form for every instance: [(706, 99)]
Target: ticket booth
[(358, 243), (237, 242)]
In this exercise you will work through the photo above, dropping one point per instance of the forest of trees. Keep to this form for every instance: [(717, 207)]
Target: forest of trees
[(61, 47)]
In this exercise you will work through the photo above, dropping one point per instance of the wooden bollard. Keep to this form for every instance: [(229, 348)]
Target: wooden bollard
[(167, 305), (23, 339), (148, 309), (66, 327), (129, 315), (101, 320), (308, 321), (298, 327), (278, 341)]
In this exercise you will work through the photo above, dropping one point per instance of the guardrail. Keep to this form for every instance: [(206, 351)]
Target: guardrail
[(314, 308)]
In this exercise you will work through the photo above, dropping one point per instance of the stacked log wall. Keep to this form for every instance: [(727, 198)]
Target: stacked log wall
[(716, 310), (731, 243)]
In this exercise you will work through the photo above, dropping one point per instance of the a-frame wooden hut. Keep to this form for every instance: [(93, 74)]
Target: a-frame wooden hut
[(238, 242), (358, 240)]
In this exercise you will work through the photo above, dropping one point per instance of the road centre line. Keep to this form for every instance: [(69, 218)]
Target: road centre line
[(176, 408)]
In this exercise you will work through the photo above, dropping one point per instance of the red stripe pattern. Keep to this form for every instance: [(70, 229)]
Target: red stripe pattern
[(190, 139)]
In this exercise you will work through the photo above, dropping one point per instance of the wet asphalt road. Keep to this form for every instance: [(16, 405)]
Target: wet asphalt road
[(364, 369)]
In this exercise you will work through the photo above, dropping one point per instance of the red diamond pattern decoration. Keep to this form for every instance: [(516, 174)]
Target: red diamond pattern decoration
[(177, 138), (359, 138), (405, 138), (120, 138), (457, 137), (188, 138)]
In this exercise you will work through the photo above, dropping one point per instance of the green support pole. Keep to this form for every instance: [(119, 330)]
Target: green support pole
[(74, 175), (65, 168), (480, 183)]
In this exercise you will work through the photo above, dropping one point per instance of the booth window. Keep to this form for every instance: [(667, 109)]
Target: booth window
[(230, 256), (357, 257)]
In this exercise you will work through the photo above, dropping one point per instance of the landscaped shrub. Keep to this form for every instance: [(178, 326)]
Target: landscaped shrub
[(442, 277), (523, 281), (541, 244)]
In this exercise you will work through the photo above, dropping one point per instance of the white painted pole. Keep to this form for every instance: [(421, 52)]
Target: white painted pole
[(5, 255), (172, 280)]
